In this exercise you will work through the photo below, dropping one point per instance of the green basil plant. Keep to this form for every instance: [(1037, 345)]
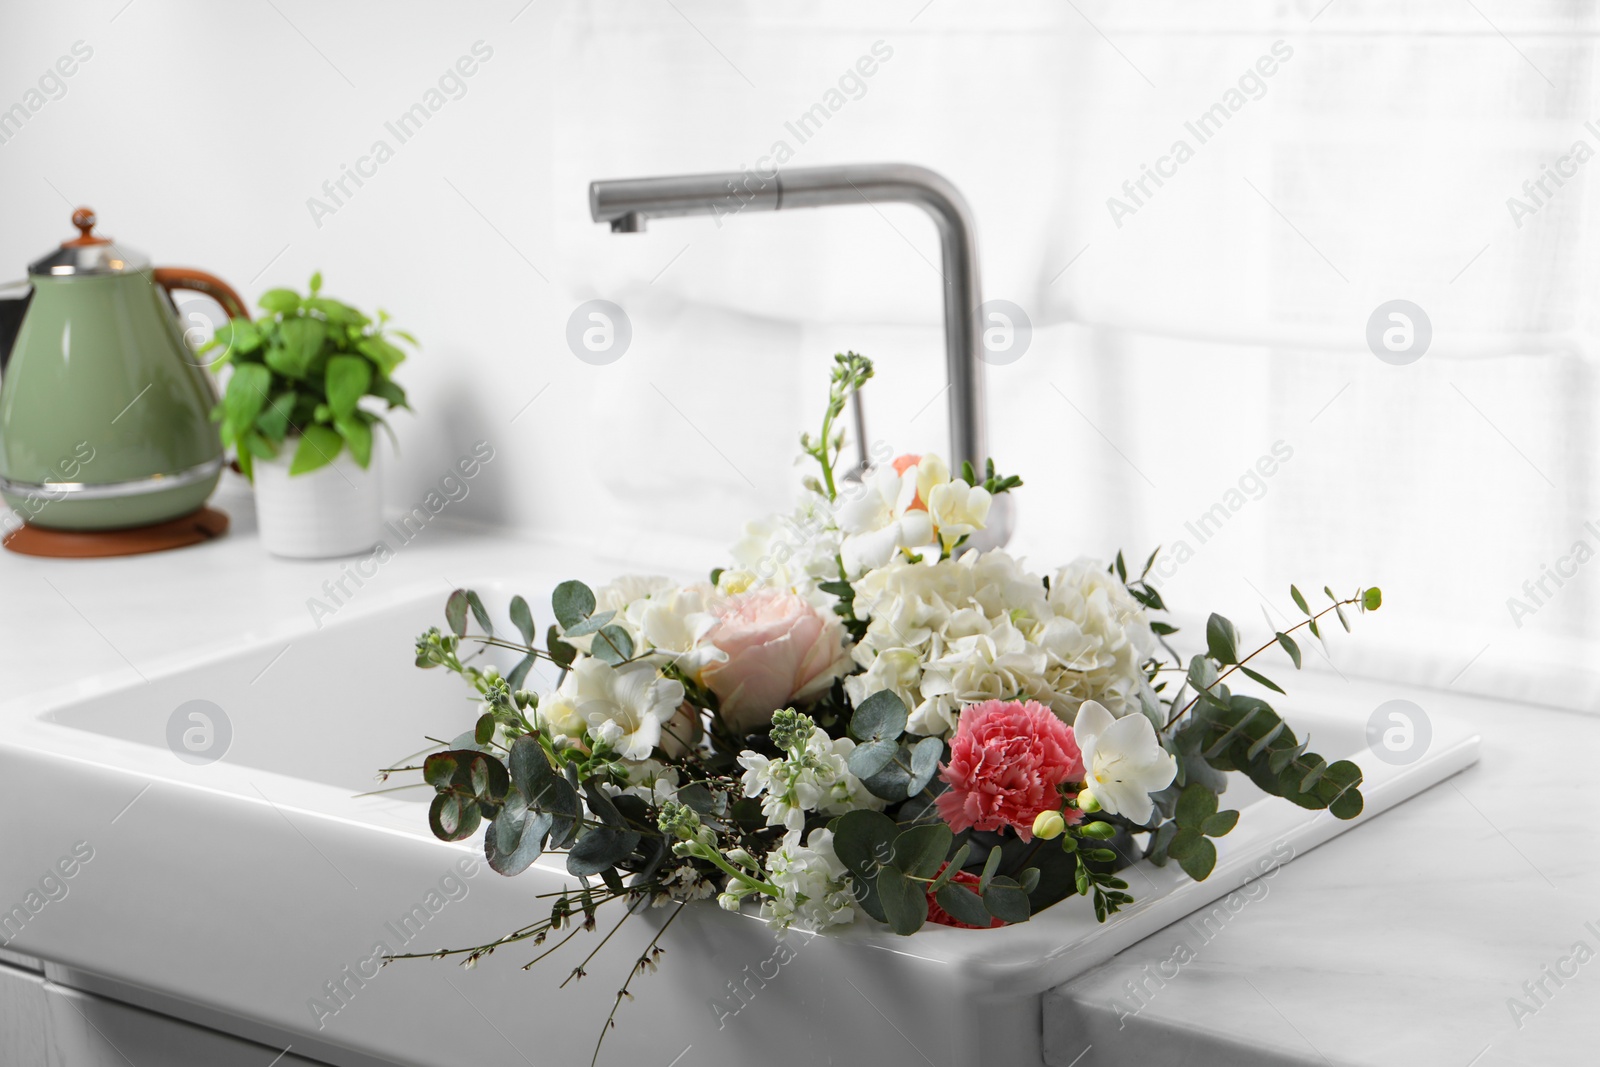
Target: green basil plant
[(300, 373)]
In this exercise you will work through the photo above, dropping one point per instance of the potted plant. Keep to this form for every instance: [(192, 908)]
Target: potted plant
[(292, 410)]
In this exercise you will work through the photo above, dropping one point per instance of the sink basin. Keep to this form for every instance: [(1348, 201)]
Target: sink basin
[(243, 881)]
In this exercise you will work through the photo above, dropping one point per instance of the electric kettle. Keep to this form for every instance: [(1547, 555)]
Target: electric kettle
[(104, 410)]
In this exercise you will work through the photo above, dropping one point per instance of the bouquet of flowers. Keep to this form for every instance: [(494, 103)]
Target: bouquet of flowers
[(861, 718)]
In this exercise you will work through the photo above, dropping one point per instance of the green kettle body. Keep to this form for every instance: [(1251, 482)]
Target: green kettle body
[(104, 410)]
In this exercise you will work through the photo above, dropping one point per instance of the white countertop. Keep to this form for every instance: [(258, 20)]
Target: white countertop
[(1398, 942)]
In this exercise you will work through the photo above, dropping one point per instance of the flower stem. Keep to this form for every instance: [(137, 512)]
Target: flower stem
[(1270, 644), (710, 854)]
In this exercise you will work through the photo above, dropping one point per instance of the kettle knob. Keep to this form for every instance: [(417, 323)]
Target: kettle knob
[(84, 219)]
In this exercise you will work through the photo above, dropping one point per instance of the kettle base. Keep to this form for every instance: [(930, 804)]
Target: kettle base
[(197, 527)]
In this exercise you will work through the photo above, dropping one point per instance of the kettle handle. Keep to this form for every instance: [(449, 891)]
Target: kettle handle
[(170, 278)]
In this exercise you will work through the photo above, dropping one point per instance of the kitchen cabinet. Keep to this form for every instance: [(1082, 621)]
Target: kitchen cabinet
[(43, 1024)]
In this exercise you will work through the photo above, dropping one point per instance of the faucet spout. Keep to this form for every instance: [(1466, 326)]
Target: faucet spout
[(626, 204)]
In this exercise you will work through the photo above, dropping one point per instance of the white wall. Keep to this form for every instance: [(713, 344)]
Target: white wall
[(1226, 314)]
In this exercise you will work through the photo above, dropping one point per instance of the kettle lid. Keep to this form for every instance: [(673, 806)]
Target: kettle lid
[(89, 253)]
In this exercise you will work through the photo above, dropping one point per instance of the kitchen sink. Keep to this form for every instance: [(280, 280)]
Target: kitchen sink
[(246, 876)]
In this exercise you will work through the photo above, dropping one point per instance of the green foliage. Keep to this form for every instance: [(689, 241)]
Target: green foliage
[(469, 786), (1233, 732), (302, 371), (522, 619), (1186, 837), (1222, 640), (882, 716)]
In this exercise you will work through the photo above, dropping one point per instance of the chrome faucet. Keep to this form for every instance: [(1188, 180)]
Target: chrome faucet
[(627, 203)]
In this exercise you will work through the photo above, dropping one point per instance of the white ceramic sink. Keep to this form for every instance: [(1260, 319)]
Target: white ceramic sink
[(239, 893)]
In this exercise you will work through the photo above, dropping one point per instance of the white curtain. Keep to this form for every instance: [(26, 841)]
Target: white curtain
[(1185, 341)]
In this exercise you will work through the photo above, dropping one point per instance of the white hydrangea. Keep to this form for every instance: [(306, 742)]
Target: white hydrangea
[(793, 552), (1096, 636), (813, 885), (946, 634), (816, 778)]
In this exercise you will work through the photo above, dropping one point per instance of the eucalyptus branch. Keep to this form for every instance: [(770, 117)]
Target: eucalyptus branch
[(1312, 621)]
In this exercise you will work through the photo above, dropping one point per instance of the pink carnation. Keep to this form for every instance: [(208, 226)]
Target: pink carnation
[(1007, 760)]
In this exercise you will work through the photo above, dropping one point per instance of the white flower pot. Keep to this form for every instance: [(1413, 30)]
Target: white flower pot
[(335, 510)]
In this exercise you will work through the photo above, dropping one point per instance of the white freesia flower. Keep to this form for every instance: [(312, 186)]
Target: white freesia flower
[(813, 885), (818, 780), (674, 623), (878, 518), (559, 713), (958, 509), (1123, 760), (650, 780), (621, 706)]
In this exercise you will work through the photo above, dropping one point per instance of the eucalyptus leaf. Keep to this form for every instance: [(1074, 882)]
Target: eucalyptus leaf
[(1006, 901), (952, 868), (893, 781), (868, 759), (880, 717), (611, 645), (452, 817), (921, 850), (905, 903), (516, 837), (590, 625), (562, 653), (522, 619), (455, 612), (1199, 861), (925, 756), (990, 866), (519, 673), (572, 602), (963, 905), (1195, 805), (1222, 639), (864, 840), (480, 613), (1290, 647), (600, 848)]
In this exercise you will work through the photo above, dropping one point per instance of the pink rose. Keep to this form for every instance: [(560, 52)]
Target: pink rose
[(781, 652), (1007, 762)]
